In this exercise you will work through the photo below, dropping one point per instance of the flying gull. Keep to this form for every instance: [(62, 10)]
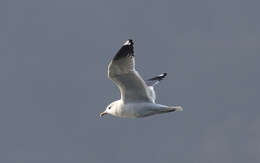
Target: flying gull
[(137, 96)]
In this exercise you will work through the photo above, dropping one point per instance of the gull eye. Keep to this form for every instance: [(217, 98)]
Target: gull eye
[(109, 107)]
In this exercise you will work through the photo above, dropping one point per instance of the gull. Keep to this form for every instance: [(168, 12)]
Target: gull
[(137, 96)]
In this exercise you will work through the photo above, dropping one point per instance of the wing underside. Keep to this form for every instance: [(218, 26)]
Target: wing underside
[(122, 71)]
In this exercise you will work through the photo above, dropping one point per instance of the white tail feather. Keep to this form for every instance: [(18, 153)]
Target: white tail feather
[(176, 108)]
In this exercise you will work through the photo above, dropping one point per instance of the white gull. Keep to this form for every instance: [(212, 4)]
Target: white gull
[(137, 97)]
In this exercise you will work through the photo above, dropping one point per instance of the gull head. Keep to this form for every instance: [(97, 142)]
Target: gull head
[(110, 109)]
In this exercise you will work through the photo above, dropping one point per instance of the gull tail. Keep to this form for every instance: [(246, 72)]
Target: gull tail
[(167, 109), (175, 108)]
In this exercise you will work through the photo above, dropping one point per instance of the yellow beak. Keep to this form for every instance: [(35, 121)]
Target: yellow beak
[(102, 114)]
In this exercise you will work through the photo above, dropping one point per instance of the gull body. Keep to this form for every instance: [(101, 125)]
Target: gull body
[(137, 96), (136, 110)]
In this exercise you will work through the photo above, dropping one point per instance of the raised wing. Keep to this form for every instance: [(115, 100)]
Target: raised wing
[(122, 71)]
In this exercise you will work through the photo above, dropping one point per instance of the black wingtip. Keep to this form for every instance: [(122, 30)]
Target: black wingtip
[(126, 50), (163, 75), (129, 42), (159, 77)]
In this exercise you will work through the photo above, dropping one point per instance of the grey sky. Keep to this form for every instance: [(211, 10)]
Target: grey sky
[(53, 61)]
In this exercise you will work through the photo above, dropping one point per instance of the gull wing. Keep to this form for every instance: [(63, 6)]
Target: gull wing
[(121, 70)]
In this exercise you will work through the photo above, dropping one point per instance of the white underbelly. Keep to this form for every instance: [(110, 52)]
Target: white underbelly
[(138, 110)]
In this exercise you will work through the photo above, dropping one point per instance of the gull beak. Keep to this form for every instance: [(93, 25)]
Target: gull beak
[(102, 114)]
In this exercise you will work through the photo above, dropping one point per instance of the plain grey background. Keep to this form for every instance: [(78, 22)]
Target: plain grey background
[(53, 63)]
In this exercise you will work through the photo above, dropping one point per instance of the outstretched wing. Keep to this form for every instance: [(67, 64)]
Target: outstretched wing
[(122, 71), (155, 80)]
